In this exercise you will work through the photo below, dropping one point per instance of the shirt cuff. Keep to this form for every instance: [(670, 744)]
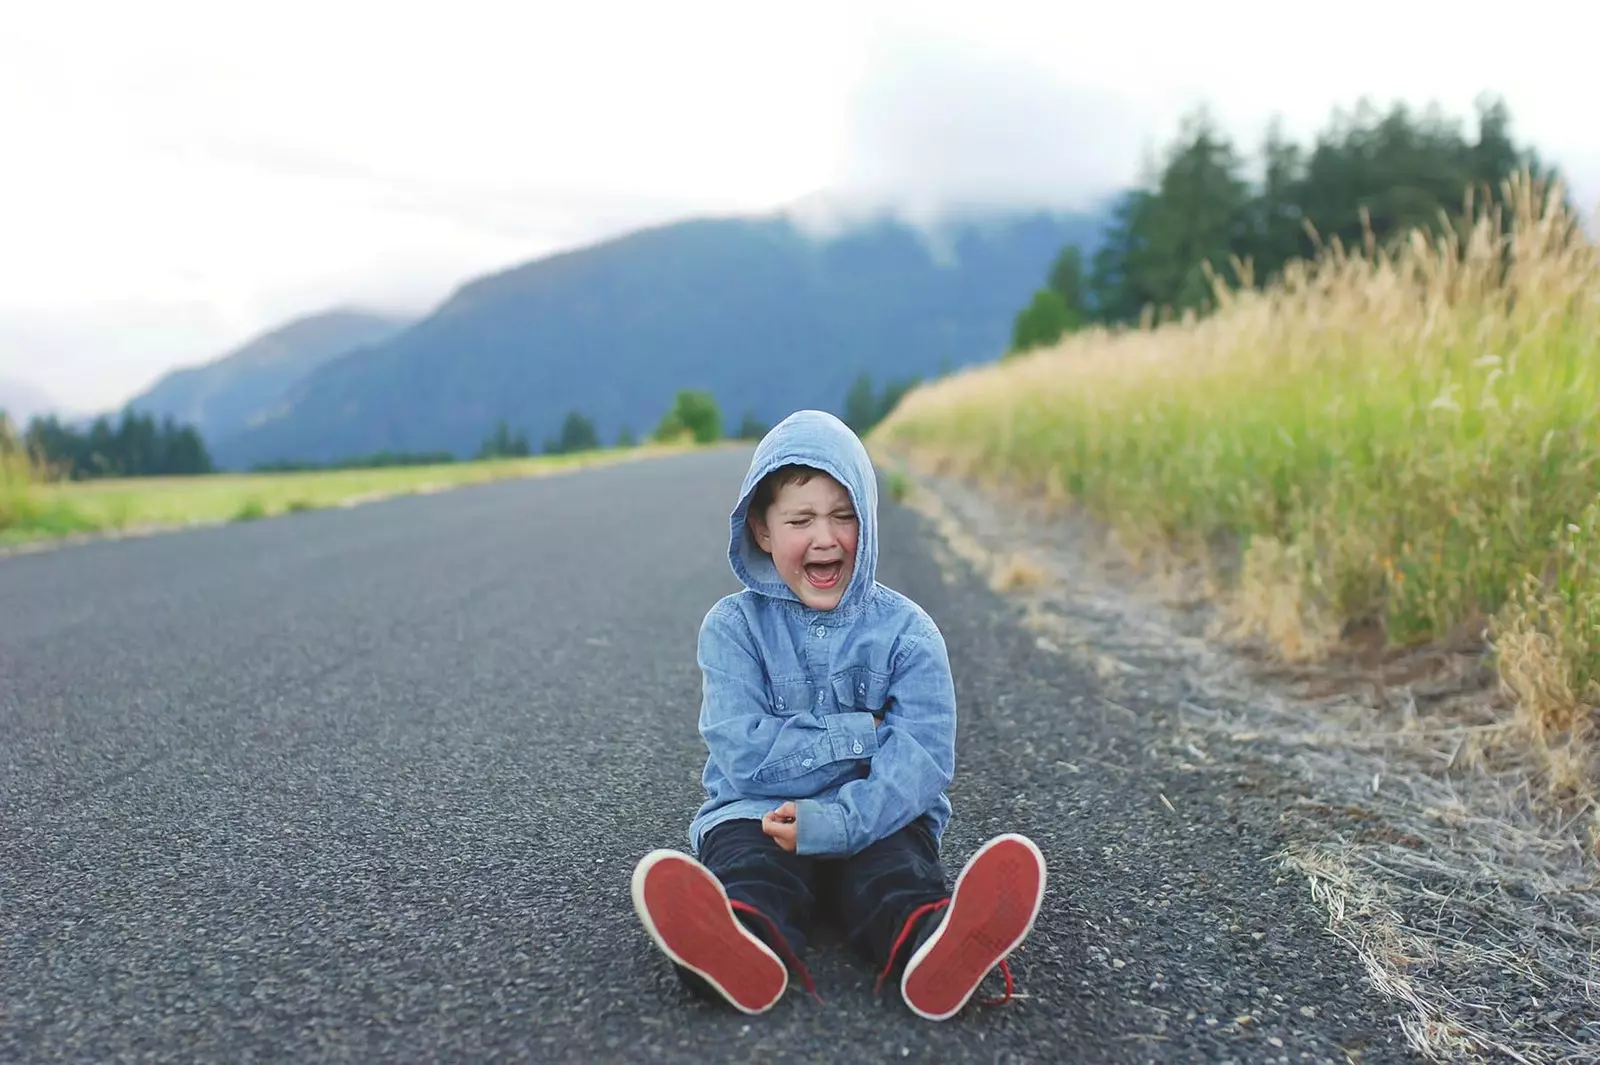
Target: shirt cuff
[(853, 735), (819, 828)]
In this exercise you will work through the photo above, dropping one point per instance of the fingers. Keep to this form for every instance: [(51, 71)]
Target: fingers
[(781, 825), (785, 835)]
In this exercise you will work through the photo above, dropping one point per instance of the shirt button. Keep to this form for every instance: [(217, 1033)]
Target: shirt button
[(821, 631), (858, 747), (806, 763)]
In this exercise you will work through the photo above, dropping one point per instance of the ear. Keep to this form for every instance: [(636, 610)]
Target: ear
[(758, 529)]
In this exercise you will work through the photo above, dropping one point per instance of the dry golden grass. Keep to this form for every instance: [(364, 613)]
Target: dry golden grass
[(20, 483), (1469, 902), (1016, 573), (1404, 441)]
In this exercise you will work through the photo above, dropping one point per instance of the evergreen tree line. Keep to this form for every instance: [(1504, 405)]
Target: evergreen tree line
[(135, 445), (696, 416), (1382, 174), (139, 446), (375, 460)]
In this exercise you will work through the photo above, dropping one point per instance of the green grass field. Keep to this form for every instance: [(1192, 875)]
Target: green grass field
[(32, 511), (1406, 440)]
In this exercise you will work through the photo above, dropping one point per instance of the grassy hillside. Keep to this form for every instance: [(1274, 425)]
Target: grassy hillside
[(1405, 442)]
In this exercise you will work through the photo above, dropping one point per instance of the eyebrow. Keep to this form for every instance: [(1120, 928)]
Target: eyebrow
[(808, 509)]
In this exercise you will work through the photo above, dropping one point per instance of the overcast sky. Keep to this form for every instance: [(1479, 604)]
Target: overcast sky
[(181, 175)]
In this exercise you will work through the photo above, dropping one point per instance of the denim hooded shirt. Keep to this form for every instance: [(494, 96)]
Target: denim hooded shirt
[(791, 695)]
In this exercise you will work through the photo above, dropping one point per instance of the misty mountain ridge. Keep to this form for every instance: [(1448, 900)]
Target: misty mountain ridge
[(764, 313), (251, 383), (21, 400)]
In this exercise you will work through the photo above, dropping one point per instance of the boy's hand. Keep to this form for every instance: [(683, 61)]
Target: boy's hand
[(781, 826)]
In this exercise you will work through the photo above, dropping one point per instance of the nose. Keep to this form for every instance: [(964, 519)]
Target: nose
[(826, 535)]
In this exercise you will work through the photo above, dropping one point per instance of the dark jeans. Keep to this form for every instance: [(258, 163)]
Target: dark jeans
[(869, 895)]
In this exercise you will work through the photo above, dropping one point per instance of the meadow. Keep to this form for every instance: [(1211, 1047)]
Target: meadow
[(1396, 440), (34, 509)]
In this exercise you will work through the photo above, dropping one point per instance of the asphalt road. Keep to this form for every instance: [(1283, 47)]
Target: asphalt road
[(367, 785)]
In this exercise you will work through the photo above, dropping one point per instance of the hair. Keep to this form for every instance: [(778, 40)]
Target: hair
[(782, 477)]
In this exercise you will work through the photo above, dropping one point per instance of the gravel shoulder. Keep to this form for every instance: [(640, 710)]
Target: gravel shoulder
[(1470, 910)]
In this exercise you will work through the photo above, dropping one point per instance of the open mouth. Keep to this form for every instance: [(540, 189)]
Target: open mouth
[(824, 575)]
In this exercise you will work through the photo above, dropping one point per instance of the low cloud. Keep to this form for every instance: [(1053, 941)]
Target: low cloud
[(953, 114), (941, 126), (185, 196)]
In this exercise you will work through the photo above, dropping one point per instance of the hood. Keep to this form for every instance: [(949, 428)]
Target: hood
[(810, 438)]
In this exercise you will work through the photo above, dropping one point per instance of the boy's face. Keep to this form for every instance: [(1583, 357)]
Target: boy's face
[(810, 530)]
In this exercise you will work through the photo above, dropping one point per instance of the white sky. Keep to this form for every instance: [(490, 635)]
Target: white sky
[(181, 175)]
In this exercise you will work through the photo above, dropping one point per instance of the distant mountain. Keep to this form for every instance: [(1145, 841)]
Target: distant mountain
[(21, 401), (247, 385), (758, 312)]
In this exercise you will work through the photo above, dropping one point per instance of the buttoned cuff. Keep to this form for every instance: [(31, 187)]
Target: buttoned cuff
[(853, 735)]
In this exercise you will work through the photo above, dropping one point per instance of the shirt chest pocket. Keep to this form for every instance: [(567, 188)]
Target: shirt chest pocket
[(860, 689), (793, 697), (847, 690)]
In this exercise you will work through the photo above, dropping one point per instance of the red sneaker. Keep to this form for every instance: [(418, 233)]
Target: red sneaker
[(686, 911), (991, 911)]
